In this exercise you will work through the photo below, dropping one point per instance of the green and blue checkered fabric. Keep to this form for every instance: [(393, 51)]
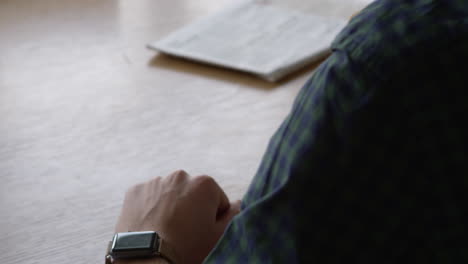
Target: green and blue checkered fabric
[(371, 164)]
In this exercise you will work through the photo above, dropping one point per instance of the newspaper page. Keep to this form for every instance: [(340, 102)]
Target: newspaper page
[(255, 36)]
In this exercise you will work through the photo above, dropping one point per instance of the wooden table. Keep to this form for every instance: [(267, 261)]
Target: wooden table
[(86, 111)]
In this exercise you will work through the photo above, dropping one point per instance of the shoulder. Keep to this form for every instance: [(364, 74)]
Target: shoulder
[(389, 29)]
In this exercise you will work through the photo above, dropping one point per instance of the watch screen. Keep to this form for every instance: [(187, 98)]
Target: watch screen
[(134, 241)]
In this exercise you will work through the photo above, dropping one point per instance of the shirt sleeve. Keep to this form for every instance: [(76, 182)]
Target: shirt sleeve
[(303, 148)]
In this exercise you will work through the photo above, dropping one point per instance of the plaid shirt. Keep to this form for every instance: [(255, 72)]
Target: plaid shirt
[(371, 164)]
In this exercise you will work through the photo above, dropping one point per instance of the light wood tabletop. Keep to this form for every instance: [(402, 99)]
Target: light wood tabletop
[(87, 111)]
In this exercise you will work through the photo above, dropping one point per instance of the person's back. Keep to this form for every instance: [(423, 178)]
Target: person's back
[(371, 165)]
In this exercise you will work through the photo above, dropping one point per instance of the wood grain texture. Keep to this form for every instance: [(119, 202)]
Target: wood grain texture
[(86, 111)]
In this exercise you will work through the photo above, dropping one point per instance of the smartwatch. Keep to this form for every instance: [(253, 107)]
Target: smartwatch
[(146, 244)]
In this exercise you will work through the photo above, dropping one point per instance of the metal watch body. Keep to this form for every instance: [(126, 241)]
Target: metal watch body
[(133, 245)]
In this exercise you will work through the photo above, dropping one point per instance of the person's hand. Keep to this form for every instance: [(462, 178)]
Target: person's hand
[(190, 214)]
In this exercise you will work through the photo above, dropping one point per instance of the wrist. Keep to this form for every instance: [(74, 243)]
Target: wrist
[(143, 247)]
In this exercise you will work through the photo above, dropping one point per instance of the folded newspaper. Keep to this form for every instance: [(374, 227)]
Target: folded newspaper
[(255, 36)]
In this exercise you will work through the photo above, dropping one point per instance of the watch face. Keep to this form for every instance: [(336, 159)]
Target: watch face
[(135, 244)]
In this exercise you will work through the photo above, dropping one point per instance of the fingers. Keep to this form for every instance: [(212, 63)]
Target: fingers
[(224, 219), (214, 196), (234, 210), (223, 210), (223, 203)]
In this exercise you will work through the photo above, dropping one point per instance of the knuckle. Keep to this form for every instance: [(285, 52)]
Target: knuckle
[(179, 175), (180, 172), (205, 181)]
